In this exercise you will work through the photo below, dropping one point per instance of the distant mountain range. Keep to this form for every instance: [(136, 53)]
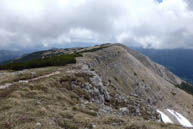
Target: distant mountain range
[(6, 55), (179, 61)]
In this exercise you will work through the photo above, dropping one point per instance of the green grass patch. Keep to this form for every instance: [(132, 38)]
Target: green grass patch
[(186, 87), (57, 60)]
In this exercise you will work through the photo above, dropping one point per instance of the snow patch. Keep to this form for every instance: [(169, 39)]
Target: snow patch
[(181, 119), (164, 117)]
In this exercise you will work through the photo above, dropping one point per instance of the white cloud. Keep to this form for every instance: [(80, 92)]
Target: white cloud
[(48, 23)]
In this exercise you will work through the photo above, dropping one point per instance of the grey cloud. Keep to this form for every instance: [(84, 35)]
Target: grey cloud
[(189, 4), (158, 25), (92, 15)]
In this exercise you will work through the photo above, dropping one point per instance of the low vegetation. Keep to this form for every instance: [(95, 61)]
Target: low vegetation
[(57, 60), (186, 87), (37, 60)]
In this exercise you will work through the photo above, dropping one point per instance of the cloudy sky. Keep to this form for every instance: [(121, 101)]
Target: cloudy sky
[(52, 23)]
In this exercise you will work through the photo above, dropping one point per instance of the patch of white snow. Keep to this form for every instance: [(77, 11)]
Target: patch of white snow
[(181, 119), (164, 117)]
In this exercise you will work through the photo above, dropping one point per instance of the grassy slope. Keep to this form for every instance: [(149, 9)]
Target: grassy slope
[(55, 104)]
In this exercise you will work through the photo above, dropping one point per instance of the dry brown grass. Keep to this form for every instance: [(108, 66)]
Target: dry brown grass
[(55, 104), (11, 76)]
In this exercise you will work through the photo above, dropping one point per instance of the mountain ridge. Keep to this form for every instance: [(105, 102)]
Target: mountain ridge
[(110, 84)]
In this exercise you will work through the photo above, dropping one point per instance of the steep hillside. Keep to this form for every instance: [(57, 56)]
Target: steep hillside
[(108, 87)]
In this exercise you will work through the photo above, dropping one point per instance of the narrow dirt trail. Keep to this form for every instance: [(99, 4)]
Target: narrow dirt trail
[(7, 85)]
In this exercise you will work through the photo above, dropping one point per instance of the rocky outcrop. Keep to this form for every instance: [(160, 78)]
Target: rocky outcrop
[(100, 95), (97, 90)]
